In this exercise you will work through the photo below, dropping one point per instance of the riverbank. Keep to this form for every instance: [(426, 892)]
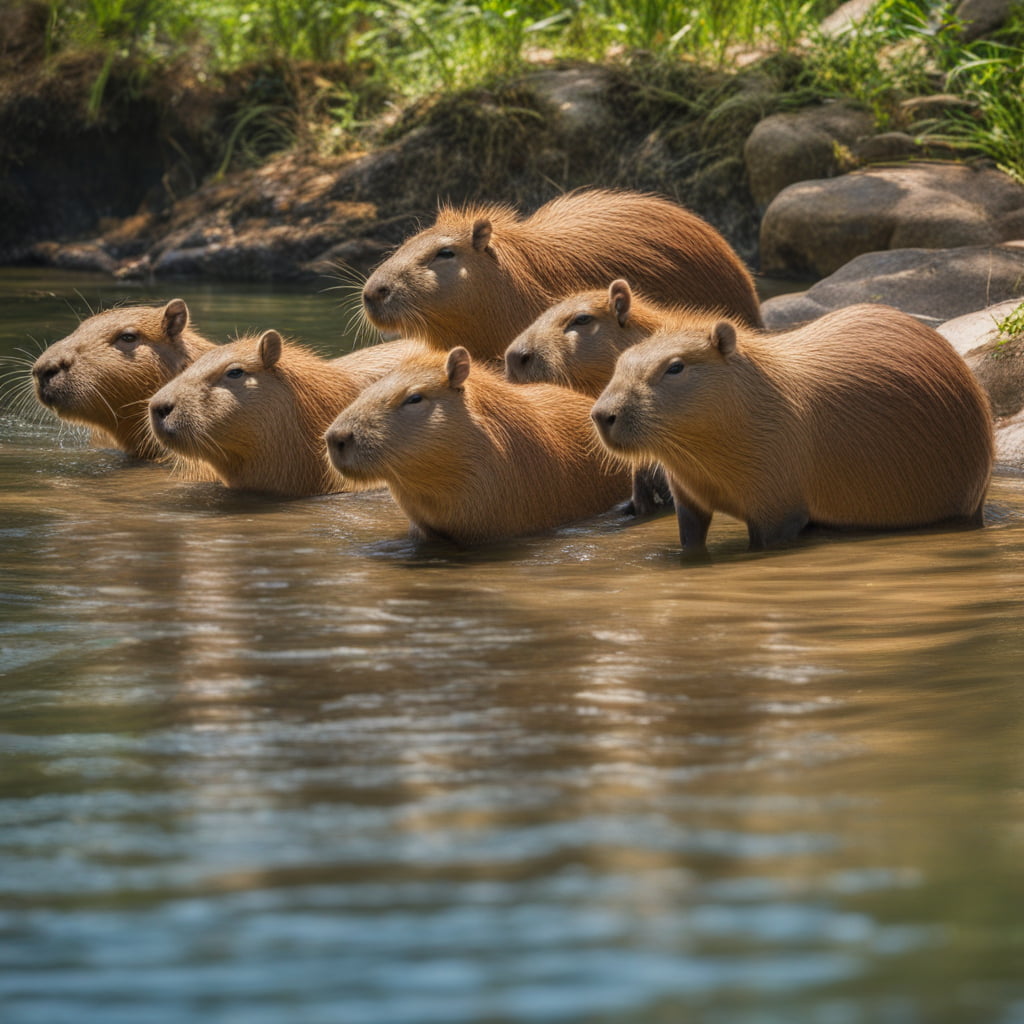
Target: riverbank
[(155, 158)]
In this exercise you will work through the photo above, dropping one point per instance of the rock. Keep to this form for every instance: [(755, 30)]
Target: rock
[(75, 256), (934, 285), (811, 143), (976, 329), (981, 17), (845, 15), (815, 227), (997, 360)]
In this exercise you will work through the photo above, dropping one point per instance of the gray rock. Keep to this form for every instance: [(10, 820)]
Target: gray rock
[(934, 285), (811, 143), (976, 329), (980, 17), (815, 227)]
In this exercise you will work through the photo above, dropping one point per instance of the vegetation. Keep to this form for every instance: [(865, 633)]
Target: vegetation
[(392, 51)]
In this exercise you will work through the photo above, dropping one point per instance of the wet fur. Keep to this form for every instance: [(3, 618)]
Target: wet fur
[(865, 418), (264, 430), (92, 378), (479, 458)]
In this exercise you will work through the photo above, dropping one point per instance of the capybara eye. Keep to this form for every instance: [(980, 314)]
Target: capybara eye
[(235, 372), (128, 337), (413, 399), (445, 254), (676, 366), (580, 320)]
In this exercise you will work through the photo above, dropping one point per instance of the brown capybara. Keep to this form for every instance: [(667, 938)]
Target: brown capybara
[(481, 274), (103, 374), (470, 457), (863, 419), (255, 410), (576, 342)]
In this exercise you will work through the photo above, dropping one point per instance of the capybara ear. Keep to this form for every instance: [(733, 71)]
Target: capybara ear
[(175, 318), (620, 298), (458, 366), (270, 348), (481, 234), (723, 337)]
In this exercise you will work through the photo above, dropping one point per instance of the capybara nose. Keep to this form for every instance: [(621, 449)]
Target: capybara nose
[(375, 292), (337, 439), (44, 374), (602, 418), (162, 410)]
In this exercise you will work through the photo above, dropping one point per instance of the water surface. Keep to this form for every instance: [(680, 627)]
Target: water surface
[(270, 761)]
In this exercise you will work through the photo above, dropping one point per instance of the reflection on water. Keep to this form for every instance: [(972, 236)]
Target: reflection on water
[(271, 761)]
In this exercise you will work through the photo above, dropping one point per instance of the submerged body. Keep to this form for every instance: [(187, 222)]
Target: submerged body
[(254, 411), (481, 274), (103, 374), (469, 457), (865, 418)]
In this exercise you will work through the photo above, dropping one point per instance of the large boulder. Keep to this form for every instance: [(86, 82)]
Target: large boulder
[(808, 144), (996, 357), (934, 285), (815, 227)]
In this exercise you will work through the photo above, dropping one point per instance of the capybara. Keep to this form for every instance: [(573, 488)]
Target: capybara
[(255, 410), (863, 419), (103, 374), (481, 274), (576, 342), (470, 457)]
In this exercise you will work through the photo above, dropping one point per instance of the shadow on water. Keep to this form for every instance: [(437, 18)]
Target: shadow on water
[(273, 760)]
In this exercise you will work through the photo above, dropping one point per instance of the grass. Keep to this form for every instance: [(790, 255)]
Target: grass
[(402, 50)]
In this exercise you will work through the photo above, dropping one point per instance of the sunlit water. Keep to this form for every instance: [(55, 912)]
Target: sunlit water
[(270, 761)]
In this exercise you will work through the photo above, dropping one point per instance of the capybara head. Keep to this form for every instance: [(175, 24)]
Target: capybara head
[(410, 425), (438, 277), (576, 342), (103, 374), (254, 410), (677, 387)]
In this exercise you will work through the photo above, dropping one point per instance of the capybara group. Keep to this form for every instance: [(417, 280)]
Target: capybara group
[(481, 274), (470, 457), (254, 411), (865, 418), (103, 374)]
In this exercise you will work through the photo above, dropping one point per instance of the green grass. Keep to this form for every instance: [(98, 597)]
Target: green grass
[(402, 50)]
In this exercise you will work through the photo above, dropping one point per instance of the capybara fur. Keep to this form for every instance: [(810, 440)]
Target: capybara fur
[(469, 457), (481, 274), (254, 411), (103, 374), (862, 419), (576, 342)]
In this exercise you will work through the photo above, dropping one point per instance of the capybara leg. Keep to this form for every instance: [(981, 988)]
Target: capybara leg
[(693, 526), (780, 531), (650, 491)]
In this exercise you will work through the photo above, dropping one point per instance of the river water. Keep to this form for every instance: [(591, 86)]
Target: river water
[(270, 761)]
